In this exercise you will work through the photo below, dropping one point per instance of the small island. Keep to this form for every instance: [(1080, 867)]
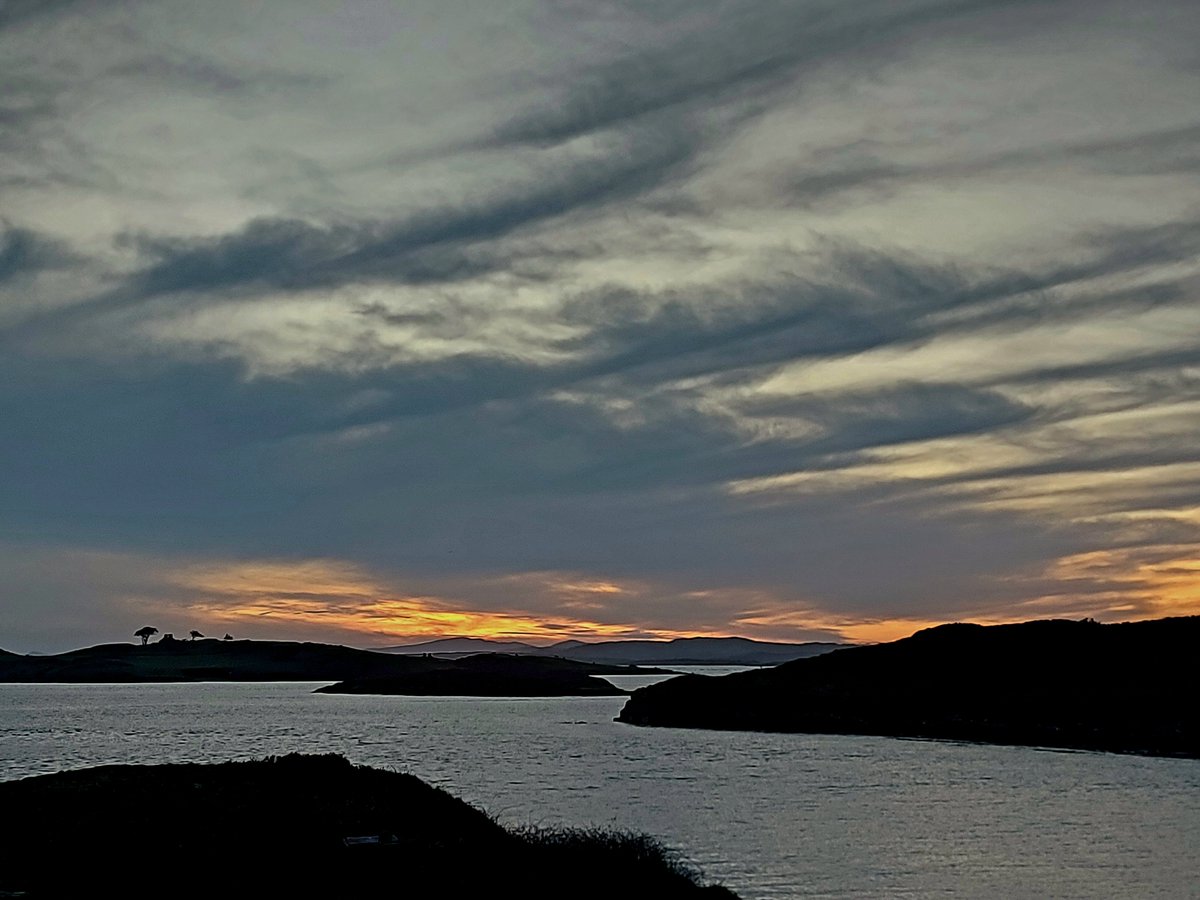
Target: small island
[(357, 671), (496, 675), (1124, 688), (302, 826)]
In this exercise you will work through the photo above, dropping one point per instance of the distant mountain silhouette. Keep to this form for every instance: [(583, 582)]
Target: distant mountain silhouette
[(1124, 688), (461, 646), (219, 660), (727, 651), (301, 826), (721, 651)]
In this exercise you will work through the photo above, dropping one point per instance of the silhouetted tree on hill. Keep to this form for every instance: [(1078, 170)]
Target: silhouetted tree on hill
[(195, 634), (144, 633)]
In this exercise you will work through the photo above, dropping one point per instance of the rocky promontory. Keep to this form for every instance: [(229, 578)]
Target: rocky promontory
[(364, 671), (1125, 688)]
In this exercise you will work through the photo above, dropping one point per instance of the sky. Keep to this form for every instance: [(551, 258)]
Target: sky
[(373, 321)]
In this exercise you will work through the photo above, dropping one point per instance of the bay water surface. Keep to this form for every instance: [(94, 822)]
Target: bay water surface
[(770, 816)]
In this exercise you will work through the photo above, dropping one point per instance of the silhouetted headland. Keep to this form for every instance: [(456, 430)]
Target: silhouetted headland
[(1124, 688), (213, 660), (301, 826)]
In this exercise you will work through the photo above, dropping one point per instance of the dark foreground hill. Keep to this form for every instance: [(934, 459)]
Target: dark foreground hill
[(1126, 688), (300, 826), (212, 660)]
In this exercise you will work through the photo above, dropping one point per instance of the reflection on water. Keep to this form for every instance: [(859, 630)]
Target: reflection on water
[(771, 816)]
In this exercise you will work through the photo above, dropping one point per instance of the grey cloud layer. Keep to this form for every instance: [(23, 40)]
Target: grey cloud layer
[(24, 252), (552, 331)]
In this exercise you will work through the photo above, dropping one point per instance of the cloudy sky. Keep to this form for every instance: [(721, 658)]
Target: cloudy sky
[(792, 319)]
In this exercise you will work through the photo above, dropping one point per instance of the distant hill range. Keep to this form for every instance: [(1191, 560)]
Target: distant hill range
[(696, 651), (364, 671), (1126, 688)]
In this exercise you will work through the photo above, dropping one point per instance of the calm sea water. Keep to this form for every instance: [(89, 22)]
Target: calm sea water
[(770, 816)]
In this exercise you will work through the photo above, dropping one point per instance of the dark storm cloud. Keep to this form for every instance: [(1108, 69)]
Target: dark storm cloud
[(529, 375), (428, 245), (1082, 457), (19, 110), (855, 299), (36, 150), (895, 414), (1165, 151), (186, 70), (26, 105), (673, 442), (195, 438), (758, 48), (197, 458), (634, 344), (17, 12), (1006, 298), (199, 74), (474, 465), (1160, 365), (845, 173), (29, 101), (25, 252), (464, 240)]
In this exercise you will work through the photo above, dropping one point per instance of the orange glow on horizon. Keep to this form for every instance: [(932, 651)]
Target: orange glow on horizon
[(855, 632), (321, 599), (1142, 582), (406, 618), (332, 596)]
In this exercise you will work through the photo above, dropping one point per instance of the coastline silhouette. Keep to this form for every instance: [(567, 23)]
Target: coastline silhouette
[(1052, 683)]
